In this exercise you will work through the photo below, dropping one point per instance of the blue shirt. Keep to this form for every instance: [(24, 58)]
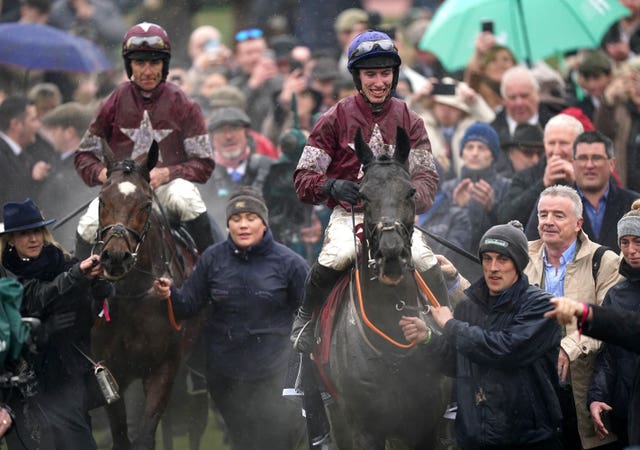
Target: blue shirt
[(554, 278), (595, 215)]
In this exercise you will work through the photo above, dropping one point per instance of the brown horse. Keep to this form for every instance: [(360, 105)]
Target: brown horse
[(138, 340)]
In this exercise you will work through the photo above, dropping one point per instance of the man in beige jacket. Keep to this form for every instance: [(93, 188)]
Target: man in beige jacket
[(562, 264)]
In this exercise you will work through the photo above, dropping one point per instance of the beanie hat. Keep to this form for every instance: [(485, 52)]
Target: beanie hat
[(508, 240), (484, 133), (629, 224), (248, 200)]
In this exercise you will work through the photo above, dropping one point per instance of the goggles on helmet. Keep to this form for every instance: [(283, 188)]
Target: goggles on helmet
[(145, 43), (367, 46), (253, 33)]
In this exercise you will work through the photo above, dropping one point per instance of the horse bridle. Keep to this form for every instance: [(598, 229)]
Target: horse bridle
[(374, 233), (119, 230)]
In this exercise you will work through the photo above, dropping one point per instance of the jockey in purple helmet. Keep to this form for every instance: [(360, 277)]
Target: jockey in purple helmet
[(329, 171)]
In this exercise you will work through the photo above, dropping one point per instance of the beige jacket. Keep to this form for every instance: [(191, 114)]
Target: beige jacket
[(582, 350)]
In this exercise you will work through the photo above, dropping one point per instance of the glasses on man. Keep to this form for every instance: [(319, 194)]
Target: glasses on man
[(595, 159), (366, 46), (145, 42), (253, 33)]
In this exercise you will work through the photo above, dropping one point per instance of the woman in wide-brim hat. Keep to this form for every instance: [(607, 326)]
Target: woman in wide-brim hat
[(61, 292)]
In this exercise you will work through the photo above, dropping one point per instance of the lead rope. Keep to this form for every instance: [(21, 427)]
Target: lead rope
[(172, 319), (360, 301)]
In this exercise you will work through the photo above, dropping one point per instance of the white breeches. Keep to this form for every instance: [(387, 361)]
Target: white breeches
[(338, 251), (180, 198)]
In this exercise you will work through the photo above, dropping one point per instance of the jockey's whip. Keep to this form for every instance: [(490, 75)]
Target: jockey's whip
[(450, 245), (71, 215)]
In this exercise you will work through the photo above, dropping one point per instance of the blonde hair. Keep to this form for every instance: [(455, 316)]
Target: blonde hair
[(47, 239)]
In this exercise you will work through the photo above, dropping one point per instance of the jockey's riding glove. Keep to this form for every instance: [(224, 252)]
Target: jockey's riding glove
[(343, 190)]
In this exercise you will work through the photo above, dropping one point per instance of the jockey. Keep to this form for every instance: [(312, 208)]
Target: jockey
[(329, 171), (141, 110)]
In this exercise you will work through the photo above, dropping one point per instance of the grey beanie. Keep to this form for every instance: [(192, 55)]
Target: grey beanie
[(248, 200), (629, 224), (508, 240)]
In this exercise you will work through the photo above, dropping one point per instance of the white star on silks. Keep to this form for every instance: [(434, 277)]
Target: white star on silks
[(144, 136), (376, 143), (377, 146)]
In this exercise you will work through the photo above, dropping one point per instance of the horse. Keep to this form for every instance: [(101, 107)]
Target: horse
[(137, 337), (387, 392)]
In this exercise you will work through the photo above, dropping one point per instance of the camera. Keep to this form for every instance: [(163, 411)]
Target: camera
[(443, 89), (487, 25)]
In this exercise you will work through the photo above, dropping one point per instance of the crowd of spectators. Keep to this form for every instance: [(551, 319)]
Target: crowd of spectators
[(502, 136)]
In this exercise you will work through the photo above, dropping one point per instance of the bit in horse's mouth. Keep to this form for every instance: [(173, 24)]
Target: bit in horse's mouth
[(113, 275)]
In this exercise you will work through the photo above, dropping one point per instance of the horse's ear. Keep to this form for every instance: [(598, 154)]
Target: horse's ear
[(154, 152), (363, 152), (403, 146), (147, 161)]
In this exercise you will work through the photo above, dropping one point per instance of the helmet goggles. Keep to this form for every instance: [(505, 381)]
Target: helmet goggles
[(367, 46), (145, 43)]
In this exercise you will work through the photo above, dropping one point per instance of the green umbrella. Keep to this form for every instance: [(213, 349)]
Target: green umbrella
[(532, 29)]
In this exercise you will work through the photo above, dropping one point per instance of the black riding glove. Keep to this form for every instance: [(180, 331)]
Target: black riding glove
[(344, 190)]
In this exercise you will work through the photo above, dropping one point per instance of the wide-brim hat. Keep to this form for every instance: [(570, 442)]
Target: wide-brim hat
[(22, 216), (525, 135)]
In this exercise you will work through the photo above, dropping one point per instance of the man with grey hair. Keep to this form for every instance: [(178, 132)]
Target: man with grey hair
[(554, 168), (562, 263), (604, 203), (520, 93)]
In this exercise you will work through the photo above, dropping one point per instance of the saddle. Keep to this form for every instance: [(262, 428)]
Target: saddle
[(327, 319)]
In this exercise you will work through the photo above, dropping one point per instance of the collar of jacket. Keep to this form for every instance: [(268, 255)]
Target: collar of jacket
[(149, 96), (631, 274), (478, 293), (261, 247)]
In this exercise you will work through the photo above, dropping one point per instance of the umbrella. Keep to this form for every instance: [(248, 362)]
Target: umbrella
[(532, 29), (36, 46)]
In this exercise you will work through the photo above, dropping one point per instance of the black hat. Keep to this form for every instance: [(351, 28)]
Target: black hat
[(282, 45), (22, 216), (325, 69), (525, 135), (229, 115), (508, 240), (248, 200)]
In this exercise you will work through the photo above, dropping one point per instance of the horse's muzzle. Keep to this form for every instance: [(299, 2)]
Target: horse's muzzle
[(116, 264)]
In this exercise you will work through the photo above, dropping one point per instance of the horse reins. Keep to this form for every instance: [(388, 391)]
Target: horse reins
[(421, 284), (119, 230)]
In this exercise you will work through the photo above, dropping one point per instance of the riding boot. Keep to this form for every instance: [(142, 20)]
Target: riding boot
[(434, 279), (200, 231), (83, 248), (320, 282)]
